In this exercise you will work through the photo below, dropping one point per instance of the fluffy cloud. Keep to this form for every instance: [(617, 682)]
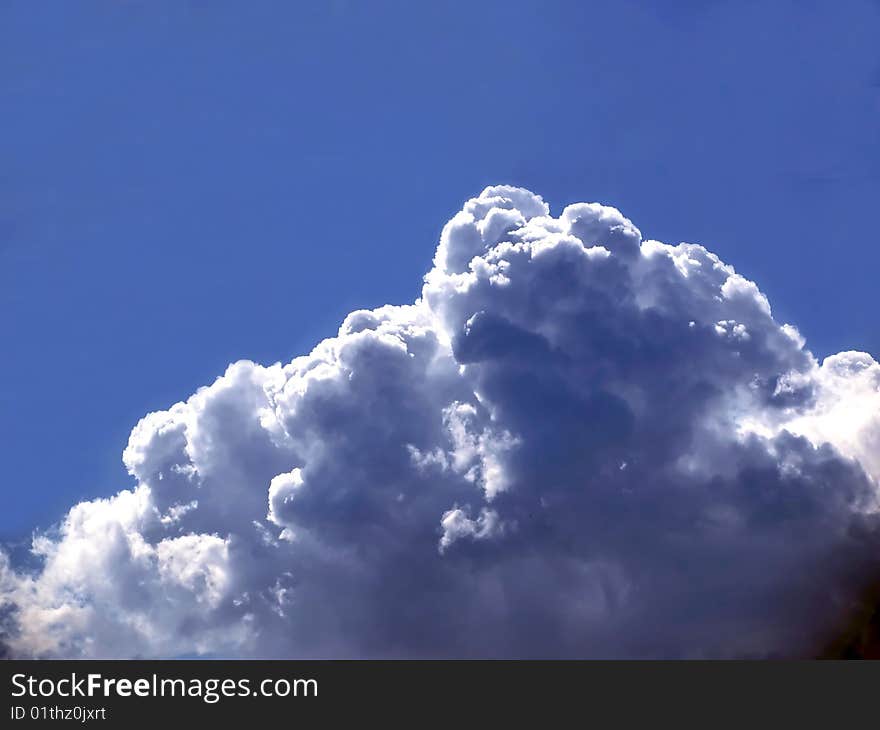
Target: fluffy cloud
[(575, 443)]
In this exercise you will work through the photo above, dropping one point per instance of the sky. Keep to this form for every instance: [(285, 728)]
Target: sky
[(186, 184), (552, 326)]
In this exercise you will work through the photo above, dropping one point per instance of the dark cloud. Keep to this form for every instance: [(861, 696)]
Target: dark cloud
[(576, 443)]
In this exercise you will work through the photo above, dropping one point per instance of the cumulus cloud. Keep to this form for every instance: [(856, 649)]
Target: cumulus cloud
[(575, 443)]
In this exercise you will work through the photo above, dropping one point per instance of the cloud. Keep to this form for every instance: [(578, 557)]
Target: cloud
[(575, 443)]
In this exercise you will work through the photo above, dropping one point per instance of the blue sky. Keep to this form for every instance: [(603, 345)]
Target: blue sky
[(187, 184)]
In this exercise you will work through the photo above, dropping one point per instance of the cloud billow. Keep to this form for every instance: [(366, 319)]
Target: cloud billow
[(575, 443)]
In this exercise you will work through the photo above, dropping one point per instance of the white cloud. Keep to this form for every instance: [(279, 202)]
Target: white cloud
[(456, 525), (576, 443), (846, 411)]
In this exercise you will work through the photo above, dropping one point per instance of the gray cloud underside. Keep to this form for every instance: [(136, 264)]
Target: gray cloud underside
[(575, 443)]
